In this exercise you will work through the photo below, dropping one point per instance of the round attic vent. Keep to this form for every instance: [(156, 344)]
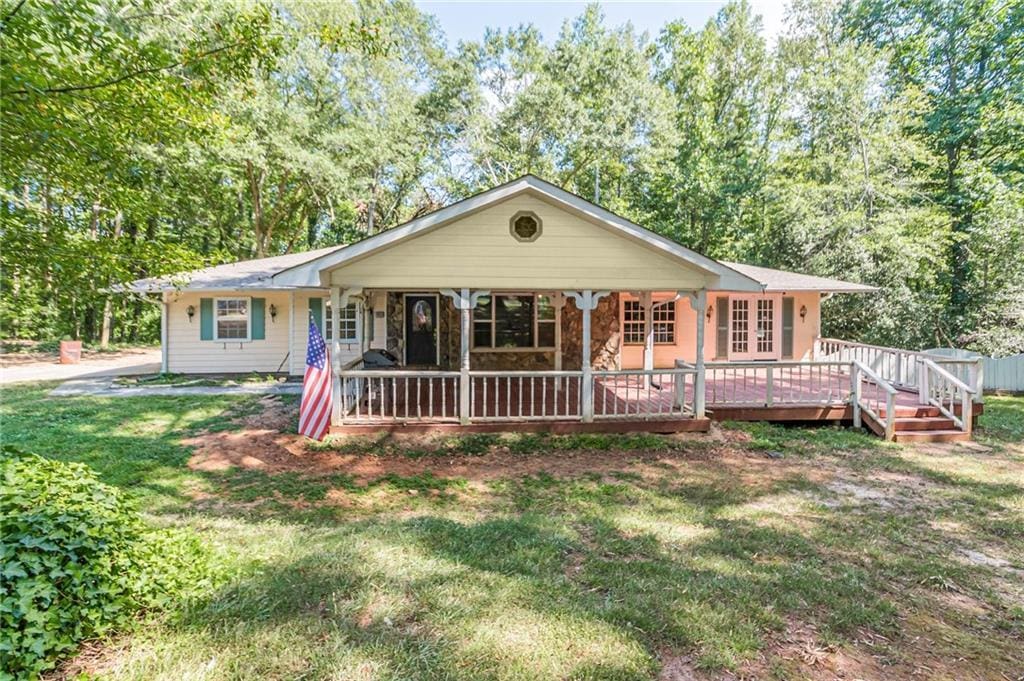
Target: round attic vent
[(525, 226)]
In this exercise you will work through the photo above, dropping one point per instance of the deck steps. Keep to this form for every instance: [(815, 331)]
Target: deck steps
[(943, 435), (914, 423)]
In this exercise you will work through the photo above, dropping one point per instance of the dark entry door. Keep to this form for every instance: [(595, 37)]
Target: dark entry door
[(420, 329)]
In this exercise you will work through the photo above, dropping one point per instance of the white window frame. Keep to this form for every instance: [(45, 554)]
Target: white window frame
[(536, 321), (248, 320), (328, 327), (664, 304)]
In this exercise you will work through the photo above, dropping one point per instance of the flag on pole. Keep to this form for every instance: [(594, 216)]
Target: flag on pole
[(315, 408)]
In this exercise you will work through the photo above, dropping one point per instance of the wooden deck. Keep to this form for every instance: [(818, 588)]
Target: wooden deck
[(621, 403)]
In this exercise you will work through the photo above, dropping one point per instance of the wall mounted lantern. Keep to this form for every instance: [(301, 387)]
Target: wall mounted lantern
[(711, 311), (803, 312), (191, 312), (273, 313)]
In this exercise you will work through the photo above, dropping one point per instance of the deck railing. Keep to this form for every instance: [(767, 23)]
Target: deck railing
[(768, 384), (900, 368), (943, 390), (873, 396), (525, 395), (385, 395), (639, 394)]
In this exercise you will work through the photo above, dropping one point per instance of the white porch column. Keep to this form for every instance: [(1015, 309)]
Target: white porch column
[(164, 332), (586, 301), (464, 303), (647, 303), (336, 303), (291, 332), (698, 384)]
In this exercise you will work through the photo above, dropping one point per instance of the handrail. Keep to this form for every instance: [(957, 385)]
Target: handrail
[(877, 347), (389, 373), (878, 380), (643, 372), (860, 404), (951, 387), (948, 376)]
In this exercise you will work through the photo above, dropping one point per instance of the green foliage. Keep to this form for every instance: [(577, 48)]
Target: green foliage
[(77, 561), (876, 141)]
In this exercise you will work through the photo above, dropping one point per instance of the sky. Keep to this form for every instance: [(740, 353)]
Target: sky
[(466, 19)]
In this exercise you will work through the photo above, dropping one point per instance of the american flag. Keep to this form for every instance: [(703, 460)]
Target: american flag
[(315, 408)]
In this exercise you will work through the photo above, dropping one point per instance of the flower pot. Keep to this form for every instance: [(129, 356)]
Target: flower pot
[(70, 352)]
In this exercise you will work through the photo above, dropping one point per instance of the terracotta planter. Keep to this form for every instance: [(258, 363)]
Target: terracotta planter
[(70, 352)]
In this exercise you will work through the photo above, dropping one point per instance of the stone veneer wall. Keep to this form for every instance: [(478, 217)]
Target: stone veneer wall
[(604, 336)]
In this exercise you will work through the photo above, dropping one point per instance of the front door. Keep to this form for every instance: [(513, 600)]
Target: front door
[(753, 328), (421, 329)]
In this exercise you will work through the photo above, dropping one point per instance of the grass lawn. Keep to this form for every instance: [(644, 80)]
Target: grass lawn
[(757, 552)]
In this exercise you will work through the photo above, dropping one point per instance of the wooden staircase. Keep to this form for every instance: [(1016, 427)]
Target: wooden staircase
[(920, 424)]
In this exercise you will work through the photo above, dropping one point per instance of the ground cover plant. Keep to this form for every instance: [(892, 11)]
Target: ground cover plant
[(757, 551), (78, 561)]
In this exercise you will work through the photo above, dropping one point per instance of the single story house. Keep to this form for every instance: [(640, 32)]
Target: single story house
[(526, 303)]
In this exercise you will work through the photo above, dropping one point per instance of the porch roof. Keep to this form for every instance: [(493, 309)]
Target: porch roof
[(781, 280)]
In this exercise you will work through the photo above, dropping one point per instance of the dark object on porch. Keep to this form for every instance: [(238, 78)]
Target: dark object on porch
[(376, 359)]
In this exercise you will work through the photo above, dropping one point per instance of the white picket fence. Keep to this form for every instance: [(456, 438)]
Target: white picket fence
[(999, 373)]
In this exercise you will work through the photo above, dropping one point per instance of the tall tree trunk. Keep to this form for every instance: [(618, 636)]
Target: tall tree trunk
[(108, 304)]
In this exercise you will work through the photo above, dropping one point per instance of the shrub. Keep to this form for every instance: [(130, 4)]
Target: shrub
[(76, 561)]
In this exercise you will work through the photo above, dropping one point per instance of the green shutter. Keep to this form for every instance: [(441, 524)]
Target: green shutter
[(206, 319), (316, 311), (787, 327), (259, 319), (722, 327)]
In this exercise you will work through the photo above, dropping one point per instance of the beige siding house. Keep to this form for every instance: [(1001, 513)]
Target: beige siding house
[(527, 304)]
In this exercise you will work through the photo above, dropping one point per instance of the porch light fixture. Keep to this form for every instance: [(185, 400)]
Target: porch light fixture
[(803, 312), (191, 312), (711, 311), (273, 312)]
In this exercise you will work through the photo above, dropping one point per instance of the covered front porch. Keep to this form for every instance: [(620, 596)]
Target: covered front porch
[(898, 394)]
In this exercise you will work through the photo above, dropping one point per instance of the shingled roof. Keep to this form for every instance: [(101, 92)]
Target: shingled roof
[(781, 280), (247, 274)]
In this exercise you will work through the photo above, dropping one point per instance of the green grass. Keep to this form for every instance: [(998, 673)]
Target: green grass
[(707, 549), (204, 381)]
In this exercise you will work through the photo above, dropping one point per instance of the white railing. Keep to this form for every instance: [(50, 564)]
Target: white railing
[(900, 368), (639, 394), (873, 396), (386, 395), (943, 390), (525, 395), (767, 384)]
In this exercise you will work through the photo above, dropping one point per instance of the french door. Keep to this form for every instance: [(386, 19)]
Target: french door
[(754, 327)]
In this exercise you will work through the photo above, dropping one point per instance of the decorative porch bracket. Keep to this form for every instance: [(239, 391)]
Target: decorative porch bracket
[(586, 301), (699, 303), (464, 301)]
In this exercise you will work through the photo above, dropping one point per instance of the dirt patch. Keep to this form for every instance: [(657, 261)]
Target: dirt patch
[(258, 441), (679, 668), (17, 359)]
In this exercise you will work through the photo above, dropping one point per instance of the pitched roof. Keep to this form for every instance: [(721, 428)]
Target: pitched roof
[(309, 274), (254, 274), (781, 280), (301, 270)]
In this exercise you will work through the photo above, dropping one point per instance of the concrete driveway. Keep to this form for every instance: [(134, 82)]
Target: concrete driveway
[(136, 362)]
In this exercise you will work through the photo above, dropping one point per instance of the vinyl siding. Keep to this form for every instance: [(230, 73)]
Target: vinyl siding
[(478, 251), (300, 331), (187, 354)]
